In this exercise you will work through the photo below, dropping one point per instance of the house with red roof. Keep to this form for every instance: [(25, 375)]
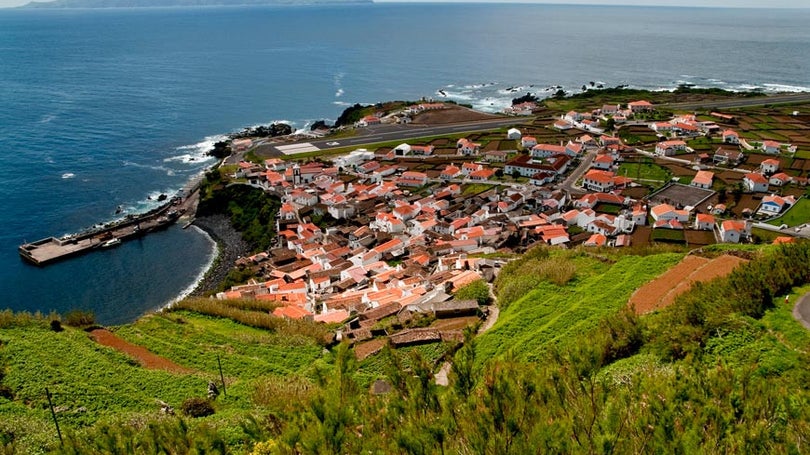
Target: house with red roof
[(703, 179), (596, 240), (292, 312), (734, 231), (466, 147), (755, 182), (602, 161), (547, 150), (482, 174), (704, 222), (731, 137), (669, 148), (668, 224), (668, 212), (640, 106), (368, 120), (450, 172), (780, 179), (774, 205), (771, 147), (598, 180), (528, 142), (469, 168), (412, 179), (769, 166)]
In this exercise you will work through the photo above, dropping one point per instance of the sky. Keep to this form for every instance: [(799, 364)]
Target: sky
[(710, 3)]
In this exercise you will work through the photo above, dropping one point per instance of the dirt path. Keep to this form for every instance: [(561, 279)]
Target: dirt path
[(142, 355), (802, 310)]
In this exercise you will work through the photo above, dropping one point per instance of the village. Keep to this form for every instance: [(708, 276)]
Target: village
[(379, 241)]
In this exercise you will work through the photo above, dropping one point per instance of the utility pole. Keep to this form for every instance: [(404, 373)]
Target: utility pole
[(221, 377), (53, 413)]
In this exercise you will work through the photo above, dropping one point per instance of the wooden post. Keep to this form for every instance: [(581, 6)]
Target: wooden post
[(53, 413), (221, 377)]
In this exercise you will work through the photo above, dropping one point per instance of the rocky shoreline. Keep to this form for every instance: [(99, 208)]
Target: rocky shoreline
[(230, 247)]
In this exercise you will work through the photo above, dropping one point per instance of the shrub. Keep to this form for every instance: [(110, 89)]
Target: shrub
[(477, 290), (56, 326), (197, 407), (80, 318)]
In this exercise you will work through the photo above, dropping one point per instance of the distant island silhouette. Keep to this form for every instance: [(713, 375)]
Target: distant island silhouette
[(173, 3)]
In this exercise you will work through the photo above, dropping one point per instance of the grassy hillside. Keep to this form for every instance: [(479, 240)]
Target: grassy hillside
[(565, 370), (552, 315)]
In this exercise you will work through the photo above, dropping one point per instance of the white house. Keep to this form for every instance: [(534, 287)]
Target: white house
[(755, 182), (771, 147), (528, 142), (774, 205), (467, 147), (669, 148), (731, 137), (513, 134), (604, 162), (704, 222), (703, 179), (780, 179), (769, 166), (733, 231)]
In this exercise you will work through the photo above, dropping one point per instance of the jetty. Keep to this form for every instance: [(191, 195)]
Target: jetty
[(52, 249)]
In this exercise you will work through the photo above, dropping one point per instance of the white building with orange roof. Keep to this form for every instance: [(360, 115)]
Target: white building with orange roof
[(669, 148), (528, 142), (780, 179), (734, 231), (771, 147), (704, 222), (668, 212), (598, 180), (640, 106), (466, 147), (703, 179), (755, 182), (774, 205), (602, 161), (731, 137), (769, 166)]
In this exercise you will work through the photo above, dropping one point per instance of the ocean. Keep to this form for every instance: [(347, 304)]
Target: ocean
[(108, 108)]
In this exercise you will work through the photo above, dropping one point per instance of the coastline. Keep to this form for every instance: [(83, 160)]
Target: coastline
[(229, 248)]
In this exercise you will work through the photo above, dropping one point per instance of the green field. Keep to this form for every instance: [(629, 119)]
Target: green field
[(796, 215), (551, 315), (668, 235), (645, 172)]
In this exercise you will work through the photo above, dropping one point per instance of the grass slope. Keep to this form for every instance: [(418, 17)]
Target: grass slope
[(194, 340), (551, 315)]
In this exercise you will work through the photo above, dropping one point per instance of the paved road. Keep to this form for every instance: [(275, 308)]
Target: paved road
[(744, 102), (576, 174), (802, 310), (389, 133)]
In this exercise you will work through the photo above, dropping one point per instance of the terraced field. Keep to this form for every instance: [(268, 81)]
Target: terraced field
[(662, 291)]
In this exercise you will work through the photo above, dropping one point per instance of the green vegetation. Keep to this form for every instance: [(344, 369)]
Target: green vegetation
[(645, 172), (538, 314), (478, 290), (567, 368), (251, 211), (668, 235), (796, 215)]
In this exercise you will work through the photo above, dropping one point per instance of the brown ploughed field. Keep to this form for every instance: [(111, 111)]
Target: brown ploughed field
[(142, 355), (662, 291)]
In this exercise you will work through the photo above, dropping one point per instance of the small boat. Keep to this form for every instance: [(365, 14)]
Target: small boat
[(111, 243)]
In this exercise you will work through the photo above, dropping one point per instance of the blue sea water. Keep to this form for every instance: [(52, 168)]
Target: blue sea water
[(108, 108)]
